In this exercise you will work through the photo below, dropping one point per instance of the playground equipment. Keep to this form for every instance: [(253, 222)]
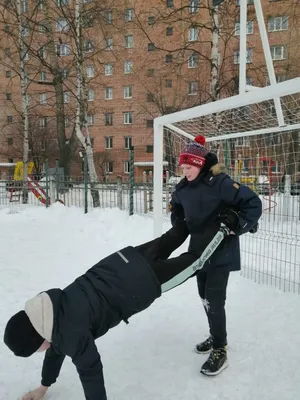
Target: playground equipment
[(15, 187)]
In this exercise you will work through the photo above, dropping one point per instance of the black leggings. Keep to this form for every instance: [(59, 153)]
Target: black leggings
[(212, 291)]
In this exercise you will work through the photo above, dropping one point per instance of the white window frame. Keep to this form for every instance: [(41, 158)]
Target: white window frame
[(63, 49), (282, 50), (249, 29), (193, 60), (236, 56), (193, 88), (91, 94), (108, 93), (193, 34), (43, 122), (127, 142), (108, 69), (67, 96), (108, 119), (128, 14), (128, 92), (109, 167), (88, 46), (108, 16), (90, 119), (126, 167), (277, 24), (24, 31), (127, 118), (43, 76), (43, 98), (108, 44), (109, 142), (62, 25), (90, 71), (193, 6), (128, 67), (129, 43)]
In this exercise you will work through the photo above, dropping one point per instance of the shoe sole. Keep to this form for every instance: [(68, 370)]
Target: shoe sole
[(207, 373), (202, 352)]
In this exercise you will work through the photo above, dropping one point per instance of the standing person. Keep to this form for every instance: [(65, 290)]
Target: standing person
[(66, 322), (205, 192)]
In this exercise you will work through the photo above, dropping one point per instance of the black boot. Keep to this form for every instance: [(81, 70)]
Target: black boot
[(204, 347), (216, 362)]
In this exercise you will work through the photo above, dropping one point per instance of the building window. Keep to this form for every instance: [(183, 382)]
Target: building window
[(168, 83), (62, 25), (128, 67), (108, 142), (91, 95), (276, 24), (169, 31), (108, 118), (10, 141), (43, 122), (151, 46), (127, 92), (62, 3), (249, 2), (40, 4), (108, 69), (24, 31), (43, 98), (128, 15), (88, 46), (42, 53), (170, 3), (7, 52), (109, 167), (193, 88), (128, 41), (249, 56), (108, 44), (127, 116), (150, 72), (66, 97), (193, 60), (127, 142), (43, 76), (108, 16), (193, 34), (150, 97), (194, 6), (63, 50), (90, 71), (249, 81), (10, 119), (8, 96), (90, 119), (24, 6), (108, 93), (149, 123), (126, 167), (169, 58), (41, 28), (249, 29), (278, 52), (149, 148), (8, 74), (151, 20)]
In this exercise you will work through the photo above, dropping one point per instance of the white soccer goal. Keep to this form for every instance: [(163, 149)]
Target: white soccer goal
[(245, 133)]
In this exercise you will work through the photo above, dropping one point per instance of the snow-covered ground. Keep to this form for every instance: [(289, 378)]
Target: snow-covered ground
[(152, 358)]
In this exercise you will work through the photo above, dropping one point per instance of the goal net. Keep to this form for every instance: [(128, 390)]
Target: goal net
[(256, 136)]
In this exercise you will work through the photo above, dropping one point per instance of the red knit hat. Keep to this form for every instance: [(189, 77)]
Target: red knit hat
[(194, 153)]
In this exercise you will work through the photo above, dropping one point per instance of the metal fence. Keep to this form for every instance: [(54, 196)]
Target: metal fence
[(271, 256)]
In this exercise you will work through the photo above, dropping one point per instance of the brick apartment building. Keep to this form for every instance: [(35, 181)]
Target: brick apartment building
[(141, 60)]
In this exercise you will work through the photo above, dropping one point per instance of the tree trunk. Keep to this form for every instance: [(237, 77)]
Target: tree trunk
[(81, 106), (25, 123)]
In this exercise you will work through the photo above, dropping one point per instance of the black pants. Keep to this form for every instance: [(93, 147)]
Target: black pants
[(212, 287)]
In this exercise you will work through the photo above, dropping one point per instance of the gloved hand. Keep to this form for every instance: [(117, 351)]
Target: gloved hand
[(254, 229), (230, 218)]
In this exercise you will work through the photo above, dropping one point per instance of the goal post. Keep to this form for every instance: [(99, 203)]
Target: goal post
[(242, 129)]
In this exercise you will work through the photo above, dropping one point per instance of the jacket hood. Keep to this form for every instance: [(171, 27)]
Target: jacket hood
[(218, 169)]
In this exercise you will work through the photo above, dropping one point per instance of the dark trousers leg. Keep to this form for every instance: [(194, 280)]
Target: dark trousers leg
[(212, 290)]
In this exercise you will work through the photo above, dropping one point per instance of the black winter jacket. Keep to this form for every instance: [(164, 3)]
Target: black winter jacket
[(199, 202), (113, 290)]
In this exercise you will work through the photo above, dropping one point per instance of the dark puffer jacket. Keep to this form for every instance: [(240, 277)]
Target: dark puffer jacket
[(113, 290), (199, 202)]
